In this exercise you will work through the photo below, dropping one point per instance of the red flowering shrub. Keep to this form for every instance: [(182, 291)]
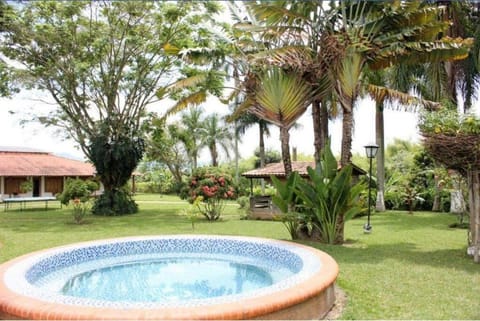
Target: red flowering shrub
[(208, 189)]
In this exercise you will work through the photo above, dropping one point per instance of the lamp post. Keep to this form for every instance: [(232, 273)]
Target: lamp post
[(371, 151)]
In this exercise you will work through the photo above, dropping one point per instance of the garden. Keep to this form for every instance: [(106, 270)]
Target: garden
[(130, 83), (411, 267)]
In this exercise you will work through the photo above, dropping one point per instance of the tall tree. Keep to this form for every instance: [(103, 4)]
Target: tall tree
[(295, 38), (215, 135), (102, 62), (402, 33), (164, 145), (190, 133), (248, 120)]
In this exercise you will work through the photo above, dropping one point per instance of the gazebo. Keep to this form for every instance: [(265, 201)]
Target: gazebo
[(261, 207)]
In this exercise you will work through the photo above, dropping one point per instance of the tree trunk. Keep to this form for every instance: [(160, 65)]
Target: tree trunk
[(320, 128), (436, 196), (380, 140), (317, 144), (194, 161), (261, 151), (474, 200), (237, 155), (214, 154), (347, 133), (287, 160), (324, 133)]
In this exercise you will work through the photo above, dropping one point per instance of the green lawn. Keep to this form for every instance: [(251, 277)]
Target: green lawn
[(410, 267)]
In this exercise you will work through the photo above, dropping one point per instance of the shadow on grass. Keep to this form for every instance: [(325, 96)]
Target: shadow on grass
[(373, 254), (420, 239)]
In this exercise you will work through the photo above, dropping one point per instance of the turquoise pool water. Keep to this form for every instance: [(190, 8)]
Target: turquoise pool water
[(171, 279)]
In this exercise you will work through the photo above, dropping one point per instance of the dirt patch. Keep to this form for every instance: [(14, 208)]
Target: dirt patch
[(340, 302)]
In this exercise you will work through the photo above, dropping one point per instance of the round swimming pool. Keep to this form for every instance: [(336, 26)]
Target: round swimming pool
[(170, 277)]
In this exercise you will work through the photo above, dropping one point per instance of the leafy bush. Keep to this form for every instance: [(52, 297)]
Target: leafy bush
[(115, 202), (243, 201), (157, 180), (208, 188), (115, 155), (26, 186), (449, 122), (326, 200), (77, 189), (80, 210), (269, 190)]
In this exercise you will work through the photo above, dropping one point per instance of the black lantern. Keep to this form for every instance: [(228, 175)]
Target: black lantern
[(371, 151)]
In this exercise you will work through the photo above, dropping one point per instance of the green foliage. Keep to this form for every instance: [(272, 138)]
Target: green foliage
[(114, 202), (154, 179), (208, 188), (77, 189), (80, 209), (191, 213), (271, 156), (268, 191), (449, 122), (115, 156), (331, 200), (26, 186), (326, 200), (243, 202), (410, 179)]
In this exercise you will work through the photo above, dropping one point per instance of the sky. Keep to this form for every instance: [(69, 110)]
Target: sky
[(398, 124)]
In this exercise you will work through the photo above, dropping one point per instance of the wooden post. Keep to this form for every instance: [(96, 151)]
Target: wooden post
[(474, 199)]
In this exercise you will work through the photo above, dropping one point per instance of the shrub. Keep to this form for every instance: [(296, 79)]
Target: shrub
[(243, 201), (208, 188), (80, 210), (326, 200), (77, 189), (115, 202)]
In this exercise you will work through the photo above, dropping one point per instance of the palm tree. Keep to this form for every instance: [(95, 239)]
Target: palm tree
[(190, 134), (295, 36), (280, 98), (402, 33), (215, 134)]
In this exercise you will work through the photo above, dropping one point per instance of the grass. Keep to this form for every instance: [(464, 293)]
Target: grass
[(410, 267)]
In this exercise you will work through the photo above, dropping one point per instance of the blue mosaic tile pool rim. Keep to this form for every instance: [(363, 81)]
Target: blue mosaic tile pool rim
[(22, 276)]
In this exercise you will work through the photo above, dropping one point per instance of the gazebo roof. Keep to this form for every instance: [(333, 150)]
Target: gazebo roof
[(29, 162), (277, 169)]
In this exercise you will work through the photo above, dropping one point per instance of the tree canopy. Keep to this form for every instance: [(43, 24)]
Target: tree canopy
[(102, 62)]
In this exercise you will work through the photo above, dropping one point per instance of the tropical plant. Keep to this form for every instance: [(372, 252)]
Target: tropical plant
[(281, 98), (80, 209), (214, 134), (115, 155), (330, 196), (164, 145), (208, 189), (77, 189), (26, 186), (190, 133), (317, 207), (288, 203)]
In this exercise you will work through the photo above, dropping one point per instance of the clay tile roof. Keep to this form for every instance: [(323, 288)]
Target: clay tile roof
[(277, 169), (38, 163)]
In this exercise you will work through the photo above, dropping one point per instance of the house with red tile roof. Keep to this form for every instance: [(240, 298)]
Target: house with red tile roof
[(46, 172)]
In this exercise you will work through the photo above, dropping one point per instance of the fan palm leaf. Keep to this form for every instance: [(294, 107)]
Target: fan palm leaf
[(281, 98)]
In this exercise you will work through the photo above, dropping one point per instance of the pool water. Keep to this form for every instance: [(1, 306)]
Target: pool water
[(164, 278), (170, 280)]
